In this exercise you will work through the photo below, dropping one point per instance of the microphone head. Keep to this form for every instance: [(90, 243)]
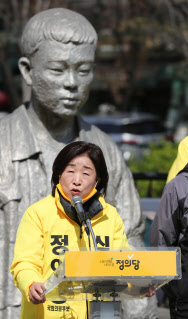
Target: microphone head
[(76, 199)]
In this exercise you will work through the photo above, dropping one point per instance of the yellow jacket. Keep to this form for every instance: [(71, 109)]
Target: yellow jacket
[(44, 230), (181, 159)]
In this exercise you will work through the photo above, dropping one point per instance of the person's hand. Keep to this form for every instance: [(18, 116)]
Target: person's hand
[(35, 291), (152, 291)]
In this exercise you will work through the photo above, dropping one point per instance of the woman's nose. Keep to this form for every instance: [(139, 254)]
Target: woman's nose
[(77, 180)]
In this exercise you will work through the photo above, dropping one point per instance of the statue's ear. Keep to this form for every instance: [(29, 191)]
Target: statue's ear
[(25, 69)]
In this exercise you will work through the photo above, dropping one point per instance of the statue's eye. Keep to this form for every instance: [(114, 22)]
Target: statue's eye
[(84, 69), (57, 70)]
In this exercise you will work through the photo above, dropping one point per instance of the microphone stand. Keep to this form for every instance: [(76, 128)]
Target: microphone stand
[(88, 222)]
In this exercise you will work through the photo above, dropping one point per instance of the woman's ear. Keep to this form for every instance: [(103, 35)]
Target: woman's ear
[(25, 69)]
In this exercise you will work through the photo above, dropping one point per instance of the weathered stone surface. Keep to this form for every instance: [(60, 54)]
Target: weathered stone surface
[(58, 56)]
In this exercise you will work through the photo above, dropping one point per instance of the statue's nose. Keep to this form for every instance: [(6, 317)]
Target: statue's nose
[(70, 81)]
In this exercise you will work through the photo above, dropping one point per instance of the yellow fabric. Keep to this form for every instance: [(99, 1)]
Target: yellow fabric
[(181, 159), (93, 192), (43, 231)]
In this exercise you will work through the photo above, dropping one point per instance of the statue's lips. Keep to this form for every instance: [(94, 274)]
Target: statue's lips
[(69, 101)]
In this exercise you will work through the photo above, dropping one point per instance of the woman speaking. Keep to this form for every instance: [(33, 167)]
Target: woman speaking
[(52, 224)]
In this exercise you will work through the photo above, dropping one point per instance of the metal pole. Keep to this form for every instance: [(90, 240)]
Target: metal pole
[(104, 310), (88, 221)]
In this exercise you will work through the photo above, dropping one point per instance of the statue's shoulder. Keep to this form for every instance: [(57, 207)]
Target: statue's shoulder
[(10, 123), (17, 114), (9, 188), (91, 133), (16, 134)]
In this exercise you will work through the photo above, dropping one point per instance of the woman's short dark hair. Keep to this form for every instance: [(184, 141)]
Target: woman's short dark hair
[(73, 150)]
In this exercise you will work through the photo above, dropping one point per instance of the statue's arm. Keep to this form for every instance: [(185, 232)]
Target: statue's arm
[(126, 199), (9, 174)]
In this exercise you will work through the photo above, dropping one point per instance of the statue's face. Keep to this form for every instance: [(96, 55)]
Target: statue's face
[(61, 76)]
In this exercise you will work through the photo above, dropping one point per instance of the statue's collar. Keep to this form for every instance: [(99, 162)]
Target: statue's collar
[(23, 140)]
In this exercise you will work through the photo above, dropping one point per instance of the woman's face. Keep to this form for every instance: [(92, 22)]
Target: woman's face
[(79, 177)]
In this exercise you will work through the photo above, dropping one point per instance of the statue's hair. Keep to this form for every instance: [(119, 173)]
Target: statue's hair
[(57, 24)]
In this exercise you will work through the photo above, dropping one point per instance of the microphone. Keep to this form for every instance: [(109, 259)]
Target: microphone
[(77, 202)]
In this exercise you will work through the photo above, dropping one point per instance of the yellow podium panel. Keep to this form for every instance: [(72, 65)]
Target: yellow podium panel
[(120, 263), (110, 274)]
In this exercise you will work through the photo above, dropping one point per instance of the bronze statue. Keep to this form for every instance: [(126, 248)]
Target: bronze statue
[(58, 47)]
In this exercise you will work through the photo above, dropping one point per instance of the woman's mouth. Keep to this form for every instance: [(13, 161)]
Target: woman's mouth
[(75, 192)]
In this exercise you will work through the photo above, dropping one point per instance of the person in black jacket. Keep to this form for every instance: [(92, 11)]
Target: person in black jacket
[(170, 229)]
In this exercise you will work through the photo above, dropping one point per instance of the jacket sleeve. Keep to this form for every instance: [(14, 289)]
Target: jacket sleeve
[(120, 239), (165, 228), (27, 265)]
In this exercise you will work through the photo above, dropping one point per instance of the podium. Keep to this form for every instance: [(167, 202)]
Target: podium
[(105, 277)]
